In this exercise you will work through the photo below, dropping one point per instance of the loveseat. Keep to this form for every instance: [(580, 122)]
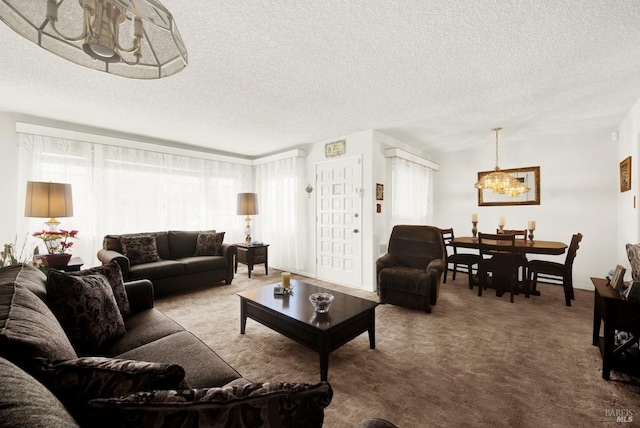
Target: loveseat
[(173, 260), (86, 349)]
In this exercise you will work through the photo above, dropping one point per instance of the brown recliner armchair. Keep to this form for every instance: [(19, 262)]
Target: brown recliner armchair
[(409, 274)]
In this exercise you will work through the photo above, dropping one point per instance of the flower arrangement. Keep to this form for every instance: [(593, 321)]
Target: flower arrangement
[(56, 241)]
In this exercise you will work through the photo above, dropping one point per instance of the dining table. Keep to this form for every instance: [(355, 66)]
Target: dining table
[(524, 246)]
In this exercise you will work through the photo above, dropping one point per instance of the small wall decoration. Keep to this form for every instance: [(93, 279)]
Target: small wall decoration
[(625, 174), (618, 276), (336, 148), (379, 192)]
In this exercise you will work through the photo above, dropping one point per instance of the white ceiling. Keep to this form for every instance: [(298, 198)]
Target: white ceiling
[(268, 75)]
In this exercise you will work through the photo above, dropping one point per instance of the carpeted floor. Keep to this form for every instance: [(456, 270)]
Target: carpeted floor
[(474, 361)]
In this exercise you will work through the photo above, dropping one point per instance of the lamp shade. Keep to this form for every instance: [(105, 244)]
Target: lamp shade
[(48, 200), (247, 203)]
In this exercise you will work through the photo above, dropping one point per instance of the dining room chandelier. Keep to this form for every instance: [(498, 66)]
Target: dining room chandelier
[(131, 38), (500, 182)]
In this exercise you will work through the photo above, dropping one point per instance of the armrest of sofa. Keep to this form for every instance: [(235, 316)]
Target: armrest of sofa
[(108, 256), (384, 262), (229, 252), (436, 264), (140, 295)]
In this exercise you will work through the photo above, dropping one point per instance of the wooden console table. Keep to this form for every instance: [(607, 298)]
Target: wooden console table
[(253, 255), (617, 313)]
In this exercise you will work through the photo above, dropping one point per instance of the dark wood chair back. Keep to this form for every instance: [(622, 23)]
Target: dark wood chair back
[(500, 258), (519, 233)]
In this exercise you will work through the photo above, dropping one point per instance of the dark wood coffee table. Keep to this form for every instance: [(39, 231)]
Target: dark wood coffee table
[(294, 317)]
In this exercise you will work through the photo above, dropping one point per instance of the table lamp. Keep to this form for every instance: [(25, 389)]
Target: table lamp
[(247, 205), (48, 200)]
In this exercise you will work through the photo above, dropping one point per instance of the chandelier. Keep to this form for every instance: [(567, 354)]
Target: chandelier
[(130, 38), (500, 182)]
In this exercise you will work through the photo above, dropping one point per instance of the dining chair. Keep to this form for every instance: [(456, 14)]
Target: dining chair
[(556, 273), (453, 257), (519, 234), (500, 258)]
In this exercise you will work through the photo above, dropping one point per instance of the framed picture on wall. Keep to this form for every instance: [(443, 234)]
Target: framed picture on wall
[(625, 174), (618, 276), (379, 192)]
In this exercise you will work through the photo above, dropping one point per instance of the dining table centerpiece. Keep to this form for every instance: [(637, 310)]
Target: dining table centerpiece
[(57, 243)]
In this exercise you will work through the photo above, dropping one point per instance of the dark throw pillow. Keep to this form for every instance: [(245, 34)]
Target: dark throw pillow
[(86, 309), (79, 380), (140, 249), (250, 405), (209, 244), (113, 273)]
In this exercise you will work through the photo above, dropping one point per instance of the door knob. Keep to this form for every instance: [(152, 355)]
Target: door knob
[(355, 231)]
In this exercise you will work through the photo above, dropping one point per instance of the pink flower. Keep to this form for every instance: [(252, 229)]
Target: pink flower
[(56, 240)]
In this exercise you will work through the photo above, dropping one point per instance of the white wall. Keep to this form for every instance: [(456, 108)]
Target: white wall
[(628, 230), (579, 190)]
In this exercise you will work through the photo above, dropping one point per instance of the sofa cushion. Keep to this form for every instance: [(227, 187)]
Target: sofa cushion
[(140, 249), (112, 242), (204, 367), (28, 403), (203, 263), (28, 328), (142, 328), (209, 244), (182, 243), (157, 270), (113, 273), (252, 405), (86, 308)]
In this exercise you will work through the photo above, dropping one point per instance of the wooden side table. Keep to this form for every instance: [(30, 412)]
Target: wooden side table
[(617, 313), (251, 255)]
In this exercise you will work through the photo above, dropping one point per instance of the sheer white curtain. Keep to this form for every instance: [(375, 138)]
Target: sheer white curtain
[(282, 219), (411, 192), (121, 190)]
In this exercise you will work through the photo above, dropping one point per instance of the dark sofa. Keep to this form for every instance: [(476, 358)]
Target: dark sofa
[(152, 373), (176, 266)]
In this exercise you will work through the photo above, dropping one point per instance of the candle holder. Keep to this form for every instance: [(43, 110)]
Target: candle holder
[(531, 234), (474, 230), (500, 229)]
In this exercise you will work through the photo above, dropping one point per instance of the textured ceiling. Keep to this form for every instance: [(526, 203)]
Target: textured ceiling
[(268, 75)]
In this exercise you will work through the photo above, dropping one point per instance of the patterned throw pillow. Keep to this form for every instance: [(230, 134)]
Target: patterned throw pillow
[(101, 377), (251, 405), (79, 380), (209, 244), (140, 249), (633, 253), (86, 309), (113, 273)]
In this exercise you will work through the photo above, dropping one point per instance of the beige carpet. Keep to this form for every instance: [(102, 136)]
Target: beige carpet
[(474, 361)]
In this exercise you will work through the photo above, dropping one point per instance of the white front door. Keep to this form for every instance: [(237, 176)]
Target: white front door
[(339, 220)]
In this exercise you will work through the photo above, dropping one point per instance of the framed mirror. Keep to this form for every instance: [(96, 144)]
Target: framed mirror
[(530, 176)]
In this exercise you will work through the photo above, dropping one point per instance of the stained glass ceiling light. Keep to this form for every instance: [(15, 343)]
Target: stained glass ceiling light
[(131, 38), (500, 182)]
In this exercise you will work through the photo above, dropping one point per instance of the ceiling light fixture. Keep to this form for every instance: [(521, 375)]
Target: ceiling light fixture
[(500, 182), (130, 38)]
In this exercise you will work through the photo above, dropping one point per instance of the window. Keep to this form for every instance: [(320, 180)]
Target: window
[(122, 190)]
